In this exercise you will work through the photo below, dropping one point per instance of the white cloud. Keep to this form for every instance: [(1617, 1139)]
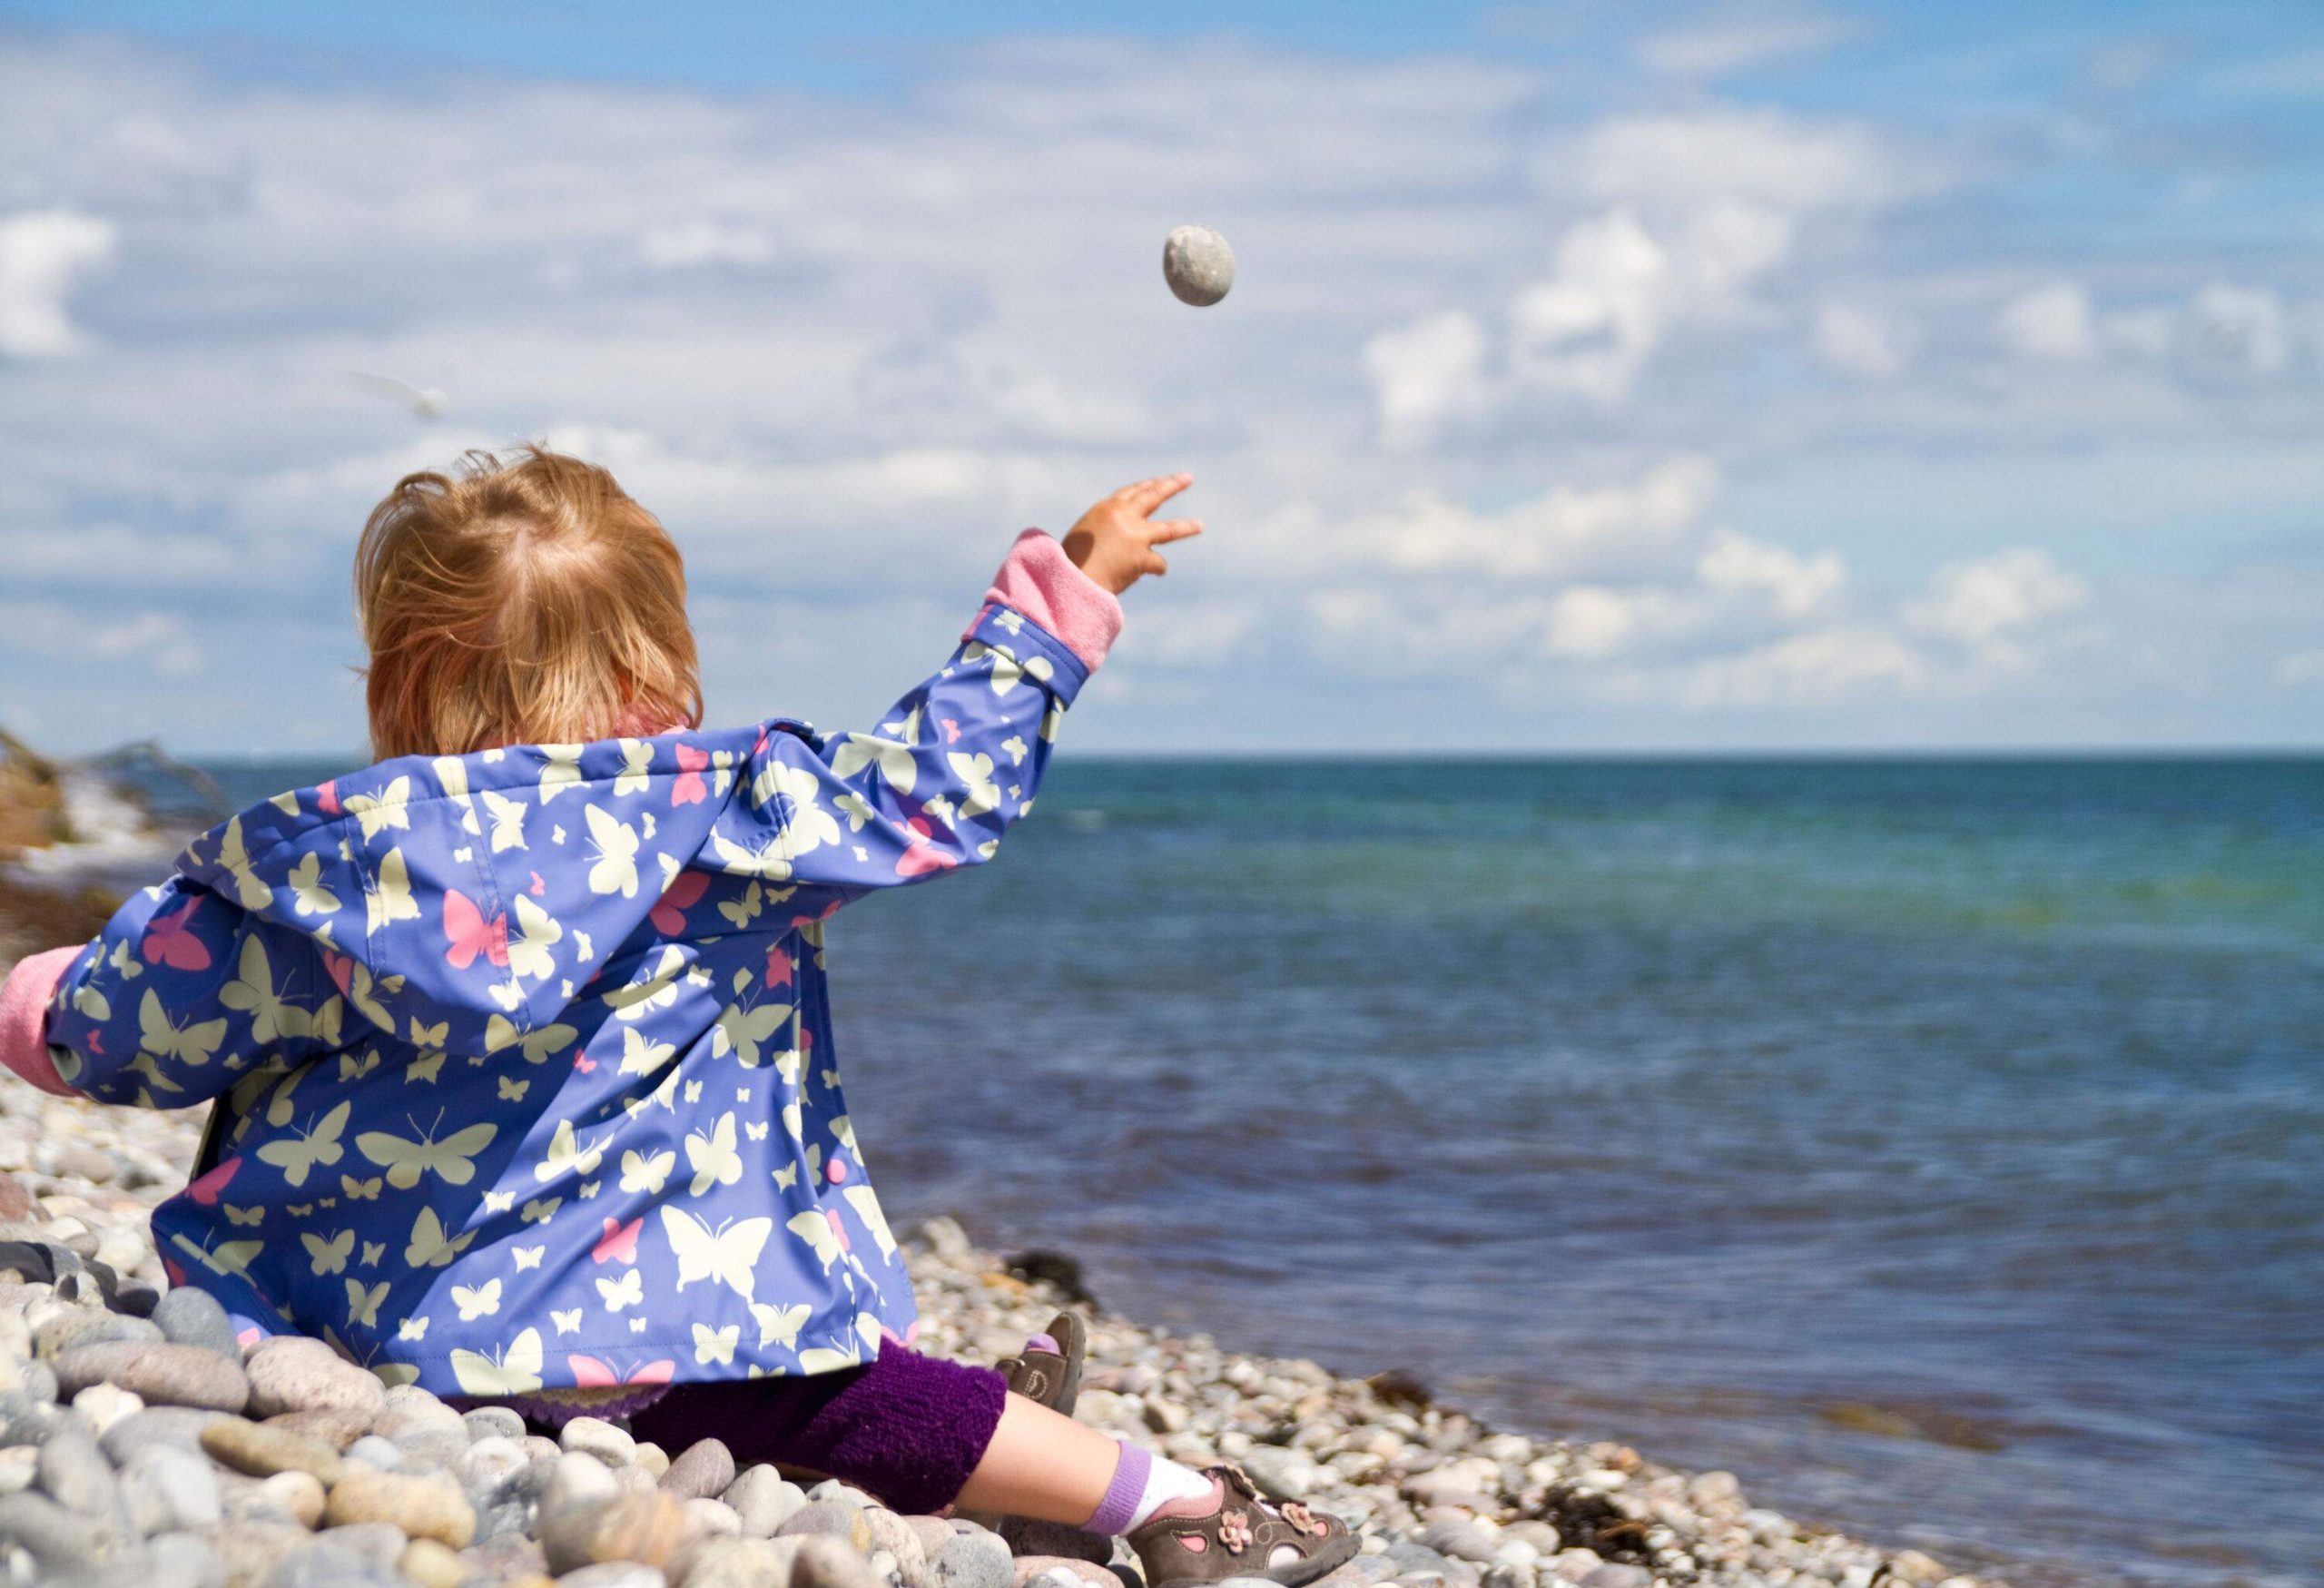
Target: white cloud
[(1865, 342), (164, 641), (1427, 375), (688, 244), (2050, 323), (2301, 667), (42, 253), (1689, 159), (1713, 49), (2241, 328), (1991, 602)]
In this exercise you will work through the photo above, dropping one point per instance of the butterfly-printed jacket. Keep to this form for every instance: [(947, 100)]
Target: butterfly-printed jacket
[(524, 1058)]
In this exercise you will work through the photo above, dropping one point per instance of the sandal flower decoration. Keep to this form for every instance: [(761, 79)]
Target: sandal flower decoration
[(1302, 1522), (1235, 1531)]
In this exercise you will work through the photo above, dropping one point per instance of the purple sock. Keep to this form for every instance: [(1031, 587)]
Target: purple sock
[(1115, 1512), (1044, 1342)]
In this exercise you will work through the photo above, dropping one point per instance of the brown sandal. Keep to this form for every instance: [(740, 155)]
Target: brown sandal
[(1051, 1377), (1246, 1536)]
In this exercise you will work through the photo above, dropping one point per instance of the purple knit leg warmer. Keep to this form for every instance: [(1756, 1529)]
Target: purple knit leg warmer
[(906, 1428)]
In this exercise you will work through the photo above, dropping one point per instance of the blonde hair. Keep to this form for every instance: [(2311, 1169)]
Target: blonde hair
[(521, 602)]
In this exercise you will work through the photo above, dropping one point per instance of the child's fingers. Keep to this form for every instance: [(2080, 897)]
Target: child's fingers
[(1162, 531), (1150, 494), (1154, 563)]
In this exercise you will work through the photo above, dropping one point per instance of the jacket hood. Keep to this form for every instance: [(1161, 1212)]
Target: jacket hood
[(460, 902)]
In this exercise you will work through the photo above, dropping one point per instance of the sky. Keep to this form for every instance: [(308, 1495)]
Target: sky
[(1597, 378)]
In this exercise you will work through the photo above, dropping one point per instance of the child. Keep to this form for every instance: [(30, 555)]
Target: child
[(520, 1038)]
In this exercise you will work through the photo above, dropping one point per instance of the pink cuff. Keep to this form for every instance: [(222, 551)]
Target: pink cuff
[(24, 1017), (1040, 581)]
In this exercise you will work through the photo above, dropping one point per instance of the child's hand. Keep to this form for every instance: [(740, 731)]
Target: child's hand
[(1114, 541)]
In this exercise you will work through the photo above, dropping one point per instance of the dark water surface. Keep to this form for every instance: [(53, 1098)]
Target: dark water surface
[(1934, 1143)]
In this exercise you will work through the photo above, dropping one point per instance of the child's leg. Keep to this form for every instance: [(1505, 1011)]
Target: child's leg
[(1040, 1464)]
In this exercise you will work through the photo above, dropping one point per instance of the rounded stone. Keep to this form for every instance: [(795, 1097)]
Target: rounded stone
[(337, 1429), (648, 1527), (167, 1489), (596, 1436), (420, 1508), (158, 1373), (90, 1327), (653, 1458), (296, 1494), (893, 1536), (182, 1560), (291, 1373), (616, 1574), (702, 1470), (74, 1472), (837, 1519), (741, 1563), (1029, 1568), (486, 1421), (975, 1559), (61, 1541), (764, 1499), (383, 1455), (712, 1518), (432, 1565), (823, 1562), (381, 1542), (188, 1316), (178, 1426), (330, 1565), (1198, 265), (578, 1480), (262, 1451), (101, 1405)]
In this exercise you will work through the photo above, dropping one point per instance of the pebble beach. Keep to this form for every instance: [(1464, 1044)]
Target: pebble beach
[(140, 1446)]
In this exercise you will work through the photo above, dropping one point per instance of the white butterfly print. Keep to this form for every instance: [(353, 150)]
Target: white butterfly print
[(560, 769), (726, 1254), (567, 1323), (636, 757), (477, 1301), (507, 821), (780, 1326), (529, 1257), (614, 843), (715, 1345), (628, 1290), (713, 1156), (857, 750)]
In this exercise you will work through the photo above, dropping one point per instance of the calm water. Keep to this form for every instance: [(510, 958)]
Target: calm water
[(1934, 1144)]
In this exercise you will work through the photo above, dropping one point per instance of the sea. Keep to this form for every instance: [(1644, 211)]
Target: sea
[(1936, 1144)]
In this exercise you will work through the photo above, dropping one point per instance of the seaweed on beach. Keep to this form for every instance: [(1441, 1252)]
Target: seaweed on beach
[(1060, 1270), (1585, 1517)]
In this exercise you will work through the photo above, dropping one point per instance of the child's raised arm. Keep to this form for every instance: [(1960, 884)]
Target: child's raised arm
[(950, 765)]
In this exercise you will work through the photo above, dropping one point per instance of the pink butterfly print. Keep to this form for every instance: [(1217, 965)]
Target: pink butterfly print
[(539, 887), (839, 1231), (619, 1243), (952, 730), (586, 1066), (595, 1373), (208, 1189), (341, 968), (920, 856), (904, 1339), (96, 1040), (669, 916), (171, 1266), (689, 789), (778, 967), (168, 942), (327, 797), (470, 935)]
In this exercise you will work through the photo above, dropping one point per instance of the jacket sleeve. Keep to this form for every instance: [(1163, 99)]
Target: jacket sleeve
[(949, 766), (176, 1000)]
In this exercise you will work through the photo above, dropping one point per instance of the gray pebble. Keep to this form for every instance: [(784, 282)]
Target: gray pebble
[(159, 1373), (167, 1488), (75, 1474), (614, 1574), (486, 1421), (744, 1562), (596, 1436), (377, 1541), (326, 1566), (823, 1562), (703, 1469), (177, 1426), (835, 1519), (61, 1541), (764, 1499), (1281, 1475), (373, 1451), (973, 1560), (291, 1373), (1198, 265), (181, 1560), (1462, 1541), (67, 1330), (193, 1318)]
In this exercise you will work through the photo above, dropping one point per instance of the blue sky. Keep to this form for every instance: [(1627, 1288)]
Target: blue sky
[(1598, 376)]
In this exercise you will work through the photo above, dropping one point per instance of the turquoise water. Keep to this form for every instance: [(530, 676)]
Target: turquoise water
[(1933, 1143)]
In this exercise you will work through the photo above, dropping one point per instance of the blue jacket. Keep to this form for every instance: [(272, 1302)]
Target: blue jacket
[(524, 1058)]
